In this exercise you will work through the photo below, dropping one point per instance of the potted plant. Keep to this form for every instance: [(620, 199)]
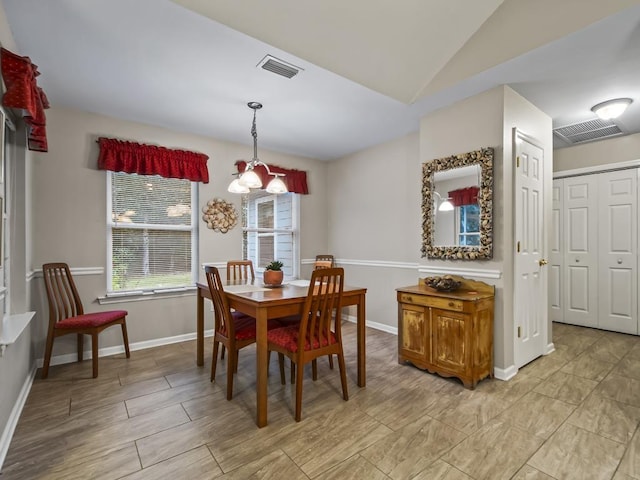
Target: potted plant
[(273, 273)]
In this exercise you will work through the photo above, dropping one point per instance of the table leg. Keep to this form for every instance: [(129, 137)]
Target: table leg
[(199, 329), (362, 375), (261, 366)]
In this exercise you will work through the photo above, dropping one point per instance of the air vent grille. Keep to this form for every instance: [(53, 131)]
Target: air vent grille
[(279, 67), (588, 131)]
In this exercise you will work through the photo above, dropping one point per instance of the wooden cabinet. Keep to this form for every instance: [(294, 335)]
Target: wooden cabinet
[(448, 333)]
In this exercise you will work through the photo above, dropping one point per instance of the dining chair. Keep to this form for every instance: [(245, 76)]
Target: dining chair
[(318, 332), (324, 261), (240, 270), (233, 330), (66, 316)]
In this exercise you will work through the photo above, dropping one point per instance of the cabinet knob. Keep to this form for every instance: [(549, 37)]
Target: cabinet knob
[(451, 304), (619, 261)]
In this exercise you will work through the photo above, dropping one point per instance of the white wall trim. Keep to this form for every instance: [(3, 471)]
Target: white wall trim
[(214, 264), (505, 373), (550, 349), (367, 263), (12, 422), (597, 169), (105, 352), (375, 325), (469, 272), (77, 271)]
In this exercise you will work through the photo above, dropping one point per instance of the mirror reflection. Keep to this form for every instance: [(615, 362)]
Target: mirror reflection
[(457, 206), (456, 212)]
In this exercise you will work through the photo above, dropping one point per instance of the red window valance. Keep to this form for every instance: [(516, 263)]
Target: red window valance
[(23, 92), (130, 157), (295, 180), (464, 196)]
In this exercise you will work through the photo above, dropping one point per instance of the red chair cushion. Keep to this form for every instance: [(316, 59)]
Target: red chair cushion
[(89, 320), (287, 338), (246, 326)]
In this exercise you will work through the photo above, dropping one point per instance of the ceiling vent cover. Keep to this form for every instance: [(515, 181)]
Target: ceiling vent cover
[(279, 67), (588, 131)]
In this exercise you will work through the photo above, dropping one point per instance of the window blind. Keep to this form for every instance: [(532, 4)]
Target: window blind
[(151, 232)]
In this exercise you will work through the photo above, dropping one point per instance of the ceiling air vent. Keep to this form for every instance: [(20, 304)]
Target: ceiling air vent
[(588, 131), (279, 67)]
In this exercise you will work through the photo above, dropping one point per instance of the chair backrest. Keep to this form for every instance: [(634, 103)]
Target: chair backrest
[(63, 297), (222, 313), (322, 264), (322, 305), (321, 261), (240, 270)]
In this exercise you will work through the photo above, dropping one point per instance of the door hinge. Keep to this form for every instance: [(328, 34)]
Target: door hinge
[(518, 246), (519, 332), (518, 161)]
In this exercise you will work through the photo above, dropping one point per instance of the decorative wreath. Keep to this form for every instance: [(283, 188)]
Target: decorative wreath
[(219, 215)]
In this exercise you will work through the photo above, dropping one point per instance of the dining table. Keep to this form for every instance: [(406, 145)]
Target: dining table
[(262, 302)]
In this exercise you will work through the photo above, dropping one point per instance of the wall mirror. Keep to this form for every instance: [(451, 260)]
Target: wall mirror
[(457, 206)]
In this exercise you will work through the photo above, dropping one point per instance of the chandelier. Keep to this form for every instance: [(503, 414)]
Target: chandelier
[(249, 178)]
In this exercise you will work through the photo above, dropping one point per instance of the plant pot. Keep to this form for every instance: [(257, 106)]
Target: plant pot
[(273, 277)]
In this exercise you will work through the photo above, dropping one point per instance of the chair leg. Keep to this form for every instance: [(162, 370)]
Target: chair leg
[(231, 367), (281, 363), (214, 361), (94, 354), (299, 375), (331, 362), (314, 370), (222, 352), (80, 340), (293, 372), (125, 339), (343, 376), (47, 356)]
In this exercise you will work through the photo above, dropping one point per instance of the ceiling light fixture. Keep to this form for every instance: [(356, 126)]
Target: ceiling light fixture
[(445, 203), (611, 108), (249, 178)]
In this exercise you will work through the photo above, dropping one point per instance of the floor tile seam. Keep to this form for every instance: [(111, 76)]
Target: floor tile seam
[(627, 446), (206, 445), (300, 466), (131, 398), (178, 402)]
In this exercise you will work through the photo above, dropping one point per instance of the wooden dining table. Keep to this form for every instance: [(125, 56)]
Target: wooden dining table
[(254, 299)]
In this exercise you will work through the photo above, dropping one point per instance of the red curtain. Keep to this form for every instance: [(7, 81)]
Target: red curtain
[(295, 180), (23, 92), (120, 156), (464, 196)]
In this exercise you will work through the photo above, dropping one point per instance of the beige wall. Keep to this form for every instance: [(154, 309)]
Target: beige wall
[(69, 215), (613, 150), (374, 219)]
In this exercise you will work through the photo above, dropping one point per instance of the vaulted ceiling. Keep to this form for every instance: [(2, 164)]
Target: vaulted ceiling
[(368, 69)]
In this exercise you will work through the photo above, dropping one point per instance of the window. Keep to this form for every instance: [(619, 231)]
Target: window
[(270, 230), (468, 222), (152, 232)]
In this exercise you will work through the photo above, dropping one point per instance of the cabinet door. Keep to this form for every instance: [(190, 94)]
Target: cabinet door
[(413, 332), (450, 342)]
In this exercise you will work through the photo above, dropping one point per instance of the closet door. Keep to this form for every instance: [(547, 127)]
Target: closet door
[(618, 261), (556, 254), (581, 250)]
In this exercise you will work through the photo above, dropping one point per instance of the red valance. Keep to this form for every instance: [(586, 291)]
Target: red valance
[(23, 92), (295, 180), (120, 156), (464, 196)]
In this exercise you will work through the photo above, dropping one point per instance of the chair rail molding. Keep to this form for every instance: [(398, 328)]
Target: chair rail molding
[(367, 263), (76, 271), (465, 272)]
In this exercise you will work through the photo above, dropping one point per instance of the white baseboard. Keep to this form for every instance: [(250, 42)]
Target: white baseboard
[(105, 352), (378, 326), (550, 349), (12, 422), (505, 373)]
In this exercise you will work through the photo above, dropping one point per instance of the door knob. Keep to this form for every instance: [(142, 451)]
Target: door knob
[(542, 262)]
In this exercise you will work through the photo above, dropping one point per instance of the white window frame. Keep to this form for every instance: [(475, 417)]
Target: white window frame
[(465, 234), (194, 244), (294, 231)]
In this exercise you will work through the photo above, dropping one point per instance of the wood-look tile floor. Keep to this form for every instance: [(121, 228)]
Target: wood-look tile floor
[(571, 414)]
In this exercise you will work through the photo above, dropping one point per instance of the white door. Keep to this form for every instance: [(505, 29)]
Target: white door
[(556, 254), (530, 288), (581, 250), (617, 262)]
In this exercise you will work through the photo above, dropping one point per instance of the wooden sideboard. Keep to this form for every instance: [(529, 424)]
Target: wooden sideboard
[(449, 333)]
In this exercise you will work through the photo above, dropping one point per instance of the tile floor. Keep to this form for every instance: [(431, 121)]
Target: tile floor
[(572, 414)]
